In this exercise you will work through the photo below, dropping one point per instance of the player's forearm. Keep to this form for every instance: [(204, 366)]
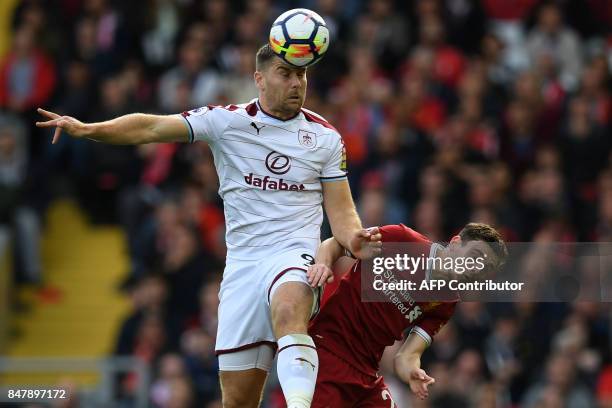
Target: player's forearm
[(329, 252), (345, 226), (135, 128), (405, 364), (408, 358), (341, 212)]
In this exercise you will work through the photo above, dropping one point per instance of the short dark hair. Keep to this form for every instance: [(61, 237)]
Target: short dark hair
[(263, 57), (475, 231)]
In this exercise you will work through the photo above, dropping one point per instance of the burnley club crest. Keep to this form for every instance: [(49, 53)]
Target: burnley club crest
[(307, 139)]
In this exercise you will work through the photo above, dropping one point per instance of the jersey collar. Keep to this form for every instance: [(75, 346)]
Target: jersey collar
[(273, 116), (435, 247)]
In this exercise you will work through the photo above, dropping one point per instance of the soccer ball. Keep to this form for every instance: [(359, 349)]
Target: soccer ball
[(300, 37)]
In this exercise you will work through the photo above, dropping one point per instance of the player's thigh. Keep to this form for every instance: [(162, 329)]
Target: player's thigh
[(244, 314), (332, 394), (338, 384), (378, 396), (243, 375), (291, 308), (292, 300), (242, 389)]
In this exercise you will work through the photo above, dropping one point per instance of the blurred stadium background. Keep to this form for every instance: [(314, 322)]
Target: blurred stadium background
[(497, 111)]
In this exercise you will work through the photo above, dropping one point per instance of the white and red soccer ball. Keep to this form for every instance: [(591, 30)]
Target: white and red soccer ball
[(300, 37)]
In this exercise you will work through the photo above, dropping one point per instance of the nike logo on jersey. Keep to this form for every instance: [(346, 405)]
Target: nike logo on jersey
[(257, 128)]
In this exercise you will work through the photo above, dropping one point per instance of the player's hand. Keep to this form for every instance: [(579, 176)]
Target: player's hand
[(72, 126), (318, 274), (419, 381), (366, 243)]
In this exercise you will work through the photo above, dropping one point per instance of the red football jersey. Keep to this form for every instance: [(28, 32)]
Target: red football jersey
[(358, 332)]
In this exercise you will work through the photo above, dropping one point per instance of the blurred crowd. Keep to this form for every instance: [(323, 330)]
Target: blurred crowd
[(491, 111)]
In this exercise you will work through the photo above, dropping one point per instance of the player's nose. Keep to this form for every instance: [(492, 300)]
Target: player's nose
[(295, 81)]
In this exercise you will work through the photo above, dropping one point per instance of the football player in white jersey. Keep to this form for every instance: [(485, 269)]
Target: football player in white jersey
[(277, 163)]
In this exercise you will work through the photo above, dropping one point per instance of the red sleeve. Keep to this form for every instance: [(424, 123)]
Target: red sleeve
[(401, 233), (433, 320), (342, 269)]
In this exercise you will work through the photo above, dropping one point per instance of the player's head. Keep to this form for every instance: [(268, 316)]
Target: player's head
[(480, 240), (281, 86)]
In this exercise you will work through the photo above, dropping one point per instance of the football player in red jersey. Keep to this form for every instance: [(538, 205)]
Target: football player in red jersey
[(351, 335)]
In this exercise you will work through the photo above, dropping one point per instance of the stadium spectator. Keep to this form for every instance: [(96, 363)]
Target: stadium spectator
[(148, 296), (27, 75), (162, 27), (492, 51), (389, 32), (238, 82), (191, 83), (185, 267), (551, 38), (506, 21), (172, 369), (198, 348), (559, 383), (19, 222), (108, 35), (207, 318)]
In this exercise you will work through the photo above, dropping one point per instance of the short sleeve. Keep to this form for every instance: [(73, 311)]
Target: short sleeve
[(401, 233), (205, 124), (432, 321), (335, 168)]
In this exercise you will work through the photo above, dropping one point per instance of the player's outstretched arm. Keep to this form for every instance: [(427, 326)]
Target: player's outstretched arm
[(329, 252), (135, 128), (322, 271), (345, 223), (407, 365)]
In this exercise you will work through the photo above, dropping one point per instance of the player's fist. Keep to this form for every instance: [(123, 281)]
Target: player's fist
[(366, 243), (72, 126), (318, 274), (419, 381)]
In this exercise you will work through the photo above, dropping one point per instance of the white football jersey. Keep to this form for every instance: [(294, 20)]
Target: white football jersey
[(270, 173)]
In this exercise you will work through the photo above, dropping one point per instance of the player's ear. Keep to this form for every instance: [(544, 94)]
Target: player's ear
[(259, 80), (456, 240)]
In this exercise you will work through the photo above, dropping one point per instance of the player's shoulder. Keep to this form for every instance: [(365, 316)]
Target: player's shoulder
[(402, 233), (319, 123), (444, 309), (249, 108)]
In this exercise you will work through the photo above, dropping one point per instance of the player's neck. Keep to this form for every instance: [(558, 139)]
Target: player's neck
[(440, 274), (275, 113)]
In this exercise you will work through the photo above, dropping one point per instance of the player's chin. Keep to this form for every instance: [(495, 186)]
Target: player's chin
[(295, 102)]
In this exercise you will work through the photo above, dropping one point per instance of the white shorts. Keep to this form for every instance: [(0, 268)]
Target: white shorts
[(260, 357), (246, 290)]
